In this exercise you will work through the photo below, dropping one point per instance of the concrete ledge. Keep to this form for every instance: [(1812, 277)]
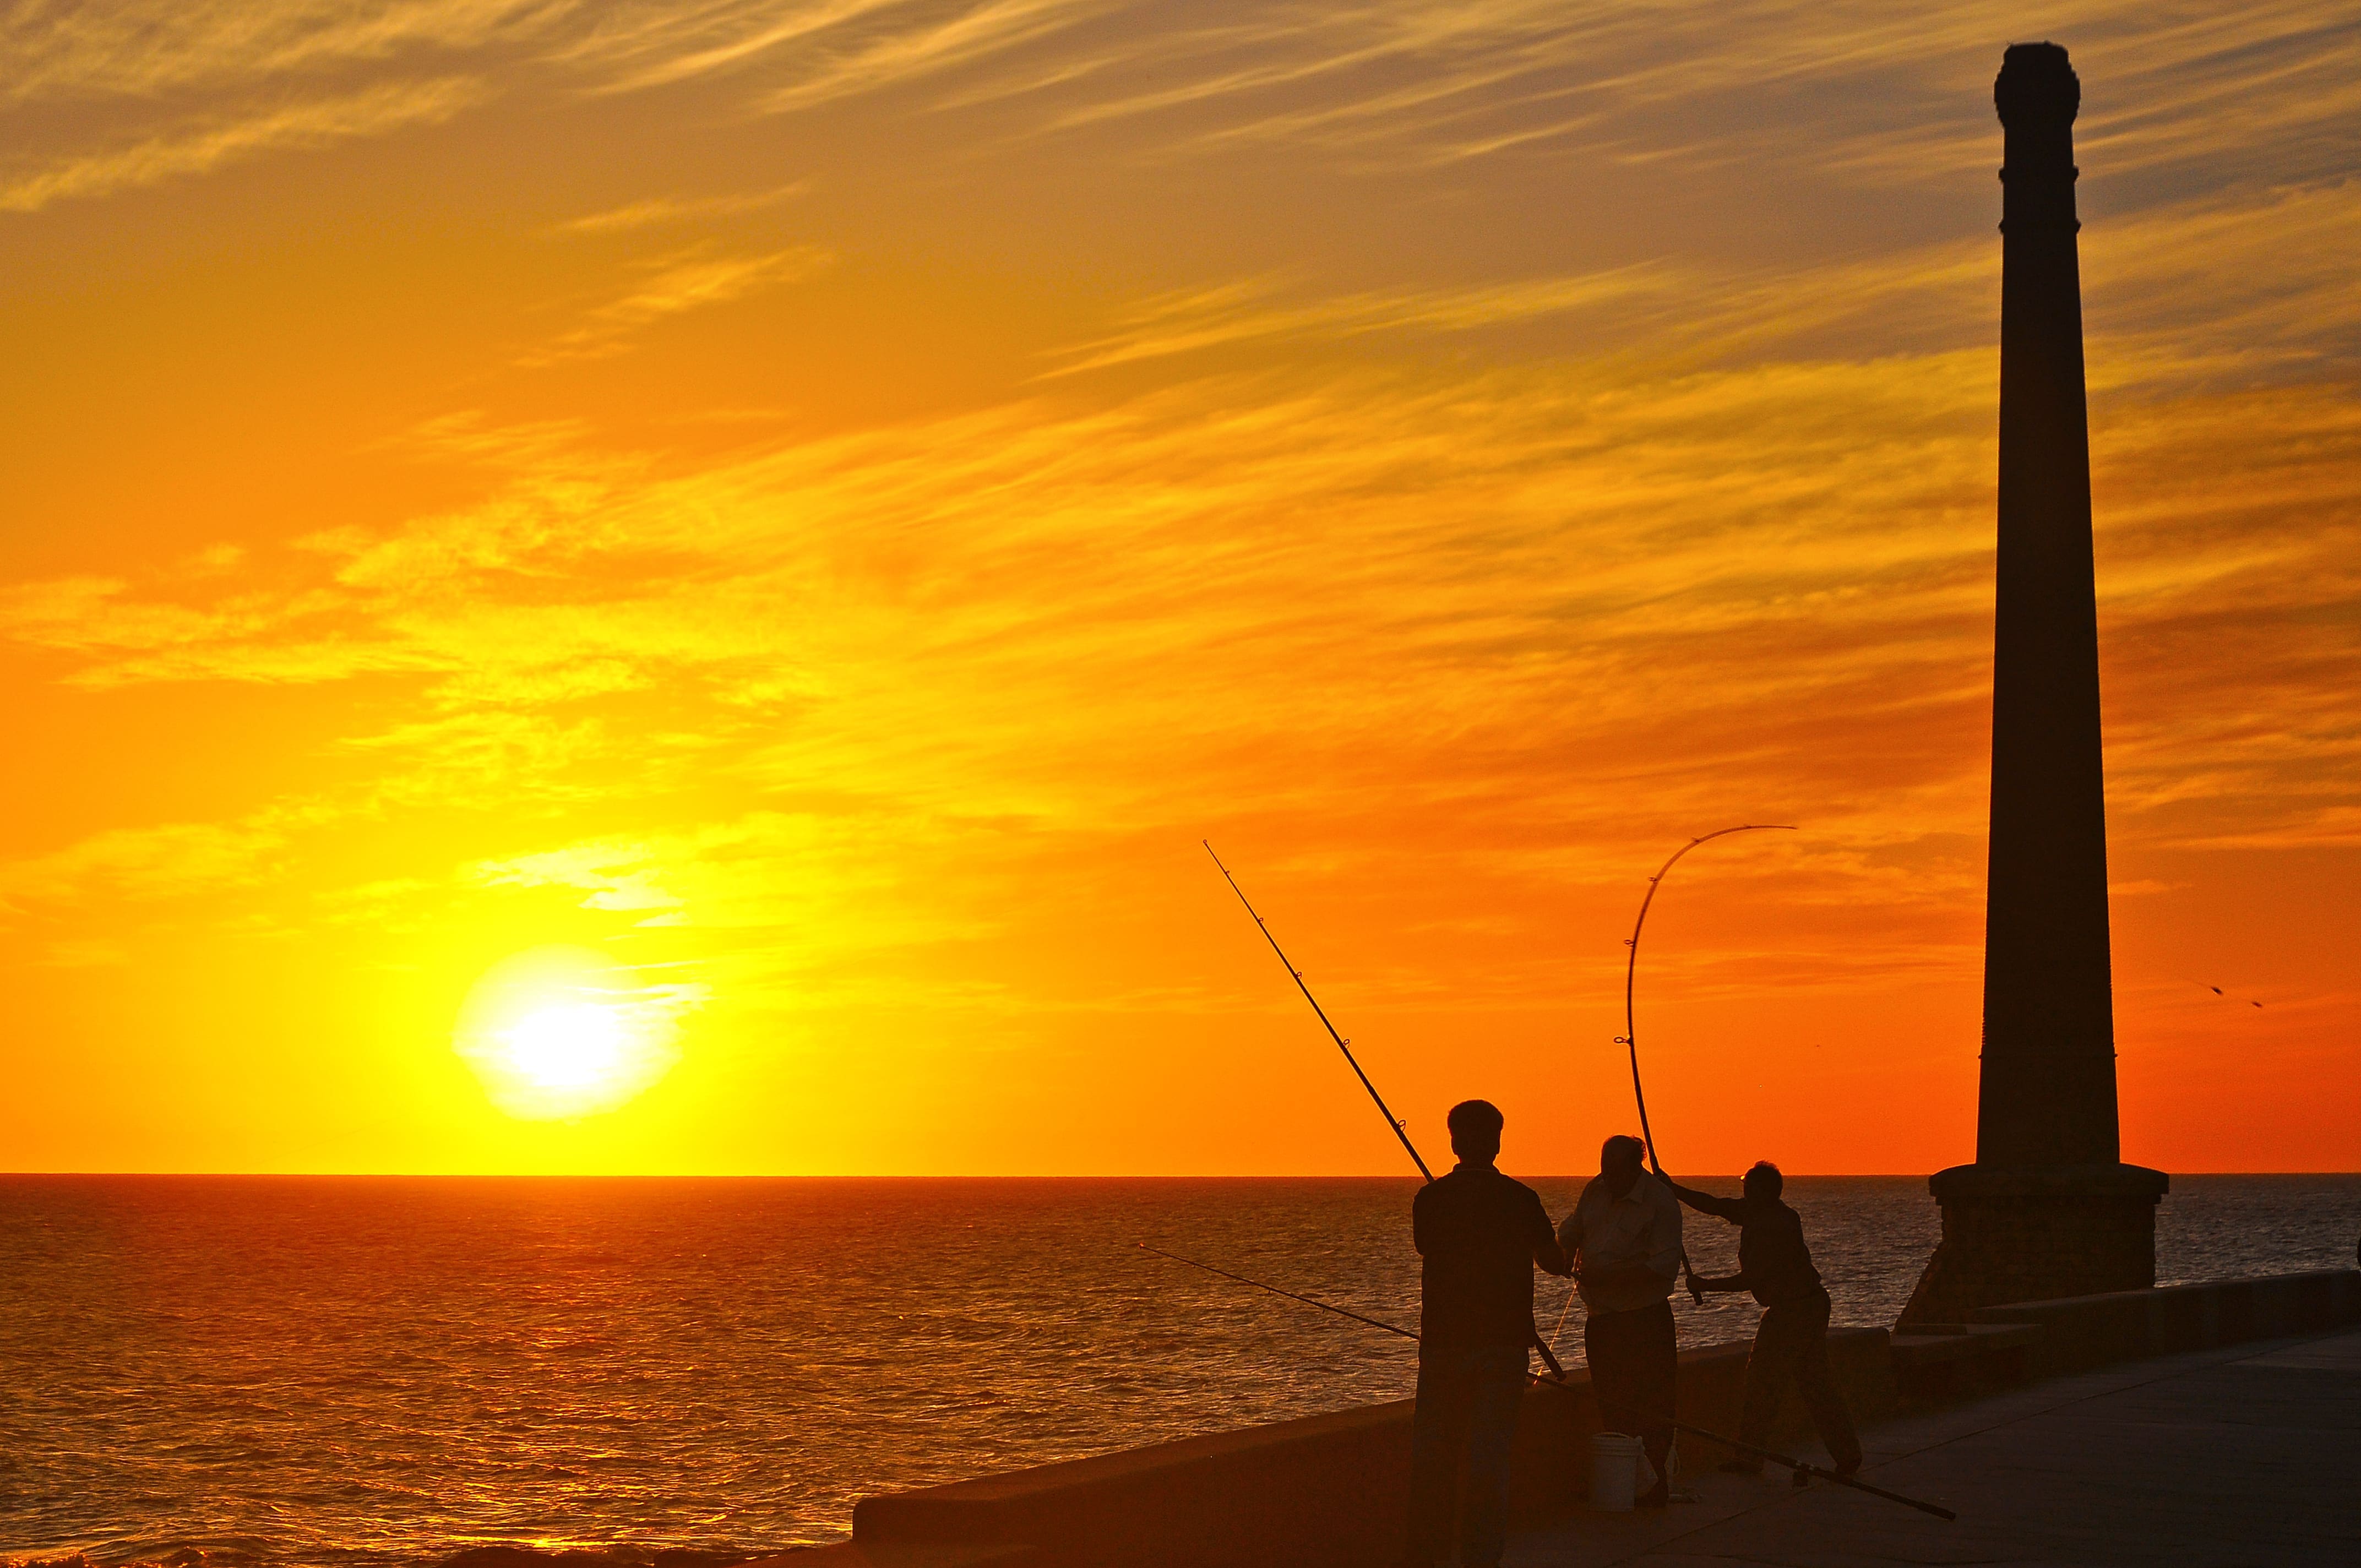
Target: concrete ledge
[(1282, 1492), (852, 1554), (1331, 1491), (1936, 1363), (1328, 1489), (2082, 1332)]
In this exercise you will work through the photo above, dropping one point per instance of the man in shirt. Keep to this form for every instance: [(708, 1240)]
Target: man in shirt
[(1792, 1342), (1625, 1236), (1480, 1233)]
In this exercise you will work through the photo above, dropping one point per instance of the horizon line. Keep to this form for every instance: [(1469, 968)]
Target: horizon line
[(971, 1176)]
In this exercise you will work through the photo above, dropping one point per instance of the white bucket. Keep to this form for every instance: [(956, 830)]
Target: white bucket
[(1614, 1472)]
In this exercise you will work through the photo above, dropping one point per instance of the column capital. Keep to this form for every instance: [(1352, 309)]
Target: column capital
[(2037, 89)]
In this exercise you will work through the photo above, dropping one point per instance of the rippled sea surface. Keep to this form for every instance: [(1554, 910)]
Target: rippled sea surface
[(294, 1371)]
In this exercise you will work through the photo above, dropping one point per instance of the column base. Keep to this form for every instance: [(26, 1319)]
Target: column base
[(2037, 1233)]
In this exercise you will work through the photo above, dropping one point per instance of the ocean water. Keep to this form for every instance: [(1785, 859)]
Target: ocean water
[(355, 1373)]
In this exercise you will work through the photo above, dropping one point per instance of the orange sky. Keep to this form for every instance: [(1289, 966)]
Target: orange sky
[(823, 503)]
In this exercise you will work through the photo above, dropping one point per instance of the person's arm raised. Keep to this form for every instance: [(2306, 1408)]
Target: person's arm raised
[(1730, 1208)]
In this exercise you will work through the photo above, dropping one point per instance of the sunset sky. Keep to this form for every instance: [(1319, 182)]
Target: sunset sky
[(753, 539)]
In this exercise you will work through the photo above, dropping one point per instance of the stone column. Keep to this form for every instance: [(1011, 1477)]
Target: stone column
[(2048, 1209)]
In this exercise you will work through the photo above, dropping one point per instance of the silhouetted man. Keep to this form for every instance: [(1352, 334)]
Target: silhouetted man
[(1792, 1342), (1480, 1233), (1625, 1235)]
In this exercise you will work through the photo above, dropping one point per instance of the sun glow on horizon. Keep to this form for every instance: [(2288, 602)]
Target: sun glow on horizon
[(560, 1033)]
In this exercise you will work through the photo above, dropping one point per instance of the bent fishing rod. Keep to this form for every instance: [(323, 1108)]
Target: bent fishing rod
[(1799, 1466), (1548, 1356), (1631, 1035)]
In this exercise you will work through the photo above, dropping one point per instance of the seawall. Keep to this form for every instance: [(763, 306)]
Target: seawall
[(1330, 1490)]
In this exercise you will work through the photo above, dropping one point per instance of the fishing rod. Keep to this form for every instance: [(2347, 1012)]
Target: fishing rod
[(1548, 1356), (1631, 1035), (1799, 1466), (1343, 1044)]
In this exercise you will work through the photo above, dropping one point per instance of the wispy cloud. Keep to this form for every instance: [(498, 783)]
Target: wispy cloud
[(1181, 323), (1886, 94), (806, 53), (137, 49), (1695, 86), (199, 147), (664, 210), (1760, 573), (655, 45), (159, 863), (675, 285), (975, 33)]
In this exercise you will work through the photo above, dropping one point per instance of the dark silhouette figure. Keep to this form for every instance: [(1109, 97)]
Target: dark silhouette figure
[(1791, 1343), (1480, 1233), (1625, 1237), (2047, 1210)]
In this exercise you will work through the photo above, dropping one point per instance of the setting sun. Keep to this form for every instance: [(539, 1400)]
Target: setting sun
[(569, 1048), (562, 1032)]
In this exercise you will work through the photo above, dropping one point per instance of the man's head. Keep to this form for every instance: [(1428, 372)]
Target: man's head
[(1618, 1162), (1763, 1182), (1474, 1131)]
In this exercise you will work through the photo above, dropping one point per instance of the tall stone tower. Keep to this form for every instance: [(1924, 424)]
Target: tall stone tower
[(2049, 1209)]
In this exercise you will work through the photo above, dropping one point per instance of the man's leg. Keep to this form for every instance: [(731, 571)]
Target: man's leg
[(1656, 1366), (1495, 1387), (1437, 1435), (1606, 1347), (1769, 1364), (1830, 1414)]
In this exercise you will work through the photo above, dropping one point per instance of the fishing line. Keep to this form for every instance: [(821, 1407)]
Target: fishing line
[(1797, 1465), (1565, 1310)]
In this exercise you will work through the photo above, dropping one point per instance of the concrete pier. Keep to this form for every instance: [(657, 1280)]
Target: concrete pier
[(2208, 1458), (2005, 1418)]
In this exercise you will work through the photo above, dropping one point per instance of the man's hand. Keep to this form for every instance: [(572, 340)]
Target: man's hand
[(1688, 1275)]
